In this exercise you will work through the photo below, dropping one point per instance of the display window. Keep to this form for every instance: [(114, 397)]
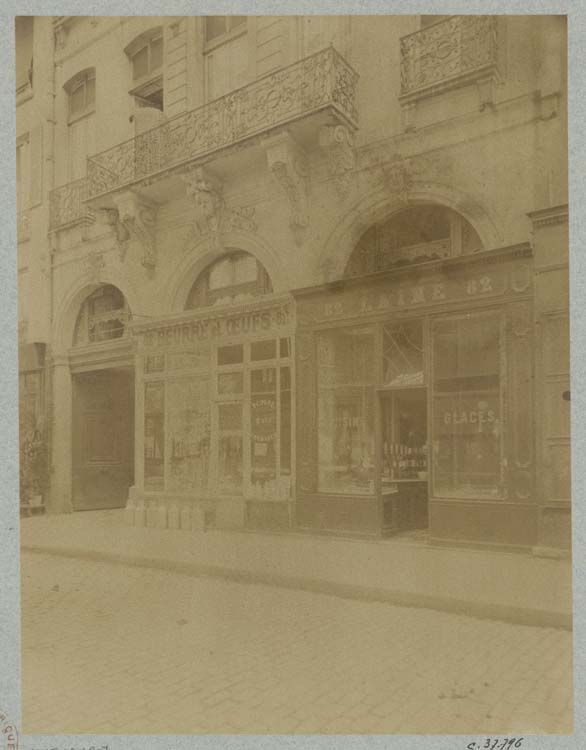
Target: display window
[(346, 378), (466, 406)]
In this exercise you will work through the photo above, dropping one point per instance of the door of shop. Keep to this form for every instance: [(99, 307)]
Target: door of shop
[(103, 438), (403, 479)]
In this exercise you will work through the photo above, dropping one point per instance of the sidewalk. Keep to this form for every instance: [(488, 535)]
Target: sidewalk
[(500, 585)]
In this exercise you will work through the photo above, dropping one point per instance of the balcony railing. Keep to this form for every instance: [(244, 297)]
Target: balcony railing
[(23, 227), (67, 204), (323, 80), (459, 48)]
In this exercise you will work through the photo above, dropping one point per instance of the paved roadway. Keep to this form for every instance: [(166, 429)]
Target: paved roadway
[(113, 649)]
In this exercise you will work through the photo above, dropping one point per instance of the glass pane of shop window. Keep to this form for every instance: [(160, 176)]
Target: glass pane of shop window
[(230, 355), (403, 359), (284, 348), (215, 26), (154, 435), (230, 463), (230, 383), (346, 440), (188, 407), (466, 417), (346, 357), (285, 407), (260, 350), (263, 380)]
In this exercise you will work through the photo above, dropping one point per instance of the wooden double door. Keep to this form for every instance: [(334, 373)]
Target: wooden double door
[(103, 438)]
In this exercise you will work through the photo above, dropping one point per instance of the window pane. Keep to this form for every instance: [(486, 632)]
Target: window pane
[(236, 21), (285, 348), (188, 407), (263, 446), (467, 434), (263, 381), (215, 26), (90, 91), (77, 100), (263, 350), (221, 275), (154, 436), (230, 383), (230, 355), (403, 353), (230, 448), (140, 63), (346, 357), (156, 53), (285, 407), (346, 441), (245, 269)]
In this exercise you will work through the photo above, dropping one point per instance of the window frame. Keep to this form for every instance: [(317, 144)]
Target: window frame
[(153, 80), (81, 79)]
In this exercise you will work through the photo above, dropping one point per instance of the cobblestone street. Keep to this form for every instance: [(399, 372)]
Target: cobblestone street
[(115, 649)]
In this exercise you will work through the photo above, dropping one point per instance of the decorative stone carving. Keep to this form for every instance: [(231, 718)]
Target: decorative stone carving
[(138, 218), (212, 216), (338, 143), (398, 177), (94, 265), (111, 218), (206, 195), (286, 162)]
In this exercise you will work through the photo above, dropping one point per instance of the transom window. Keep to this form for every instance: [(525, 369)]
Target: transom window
[(103, 317), (415, 235), (236, 276), (226, 54)]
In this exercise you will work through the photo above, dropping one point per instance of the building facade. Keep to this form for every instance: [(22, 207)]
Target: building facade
[(297, 272)]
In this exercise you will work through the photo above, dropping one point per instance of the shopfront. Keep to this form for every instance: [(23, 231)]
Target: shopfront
[(214, 406), (414, 405)]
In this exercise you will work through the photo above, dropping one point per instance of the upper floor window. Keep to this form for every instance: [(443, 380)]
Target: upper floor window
[(24, 51), (217, 26), (226, 54), (81, 99), (146, 60), (82, 94), (428, 20)]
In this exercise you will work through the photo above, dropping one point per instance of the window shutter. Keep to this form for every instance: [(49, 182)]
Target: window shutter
[(36, 166)]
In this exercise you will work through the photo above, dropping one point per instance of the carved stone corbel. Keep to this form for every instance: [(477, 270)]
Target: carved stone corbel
[(205, 192), (286, 163), (111, 218), (138, 218), (338, 143)]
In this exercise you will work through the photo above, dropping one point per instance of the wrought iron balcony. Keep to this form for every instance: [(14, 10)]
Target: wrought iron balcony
[(458, 50), (320, 83), (23, 228), (67, 204)]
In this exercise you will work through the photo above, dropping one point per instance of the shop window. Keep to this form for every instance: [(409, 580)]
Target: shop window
[(154, 435), (467, 413), (146, 62), (226, 54), (81, 102), (417, 234), (189, 434), (103, 317), (346, 411), (236, 276), (24, 27)]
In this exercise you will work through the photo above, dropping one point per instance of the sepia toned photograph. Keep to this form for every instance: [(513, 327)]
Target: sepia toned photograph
[(294, 375)]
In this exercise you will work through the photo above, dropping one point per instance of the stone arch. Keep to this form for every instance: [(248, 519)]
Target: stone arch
[(205, 251), (332, 261), (70, 306)]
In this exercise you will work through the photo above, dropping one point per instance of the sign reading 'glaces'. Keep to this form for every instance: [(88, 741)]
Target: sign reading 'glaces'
[(241, 325)]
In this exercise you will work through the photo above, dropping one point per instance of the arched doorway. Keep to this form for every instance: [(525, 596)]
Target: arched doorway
[(103, 402)]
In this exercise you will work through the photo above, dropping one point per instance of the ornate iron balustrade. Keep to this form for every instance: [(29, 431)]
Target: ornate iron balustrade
[(23, 226), (461, 47), (67, 204), (320, 81)]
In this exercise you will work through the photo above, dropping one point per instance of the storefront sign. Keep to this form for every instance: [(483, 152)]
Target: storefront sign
[(387, 297), (244, 324), (480, 416)]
